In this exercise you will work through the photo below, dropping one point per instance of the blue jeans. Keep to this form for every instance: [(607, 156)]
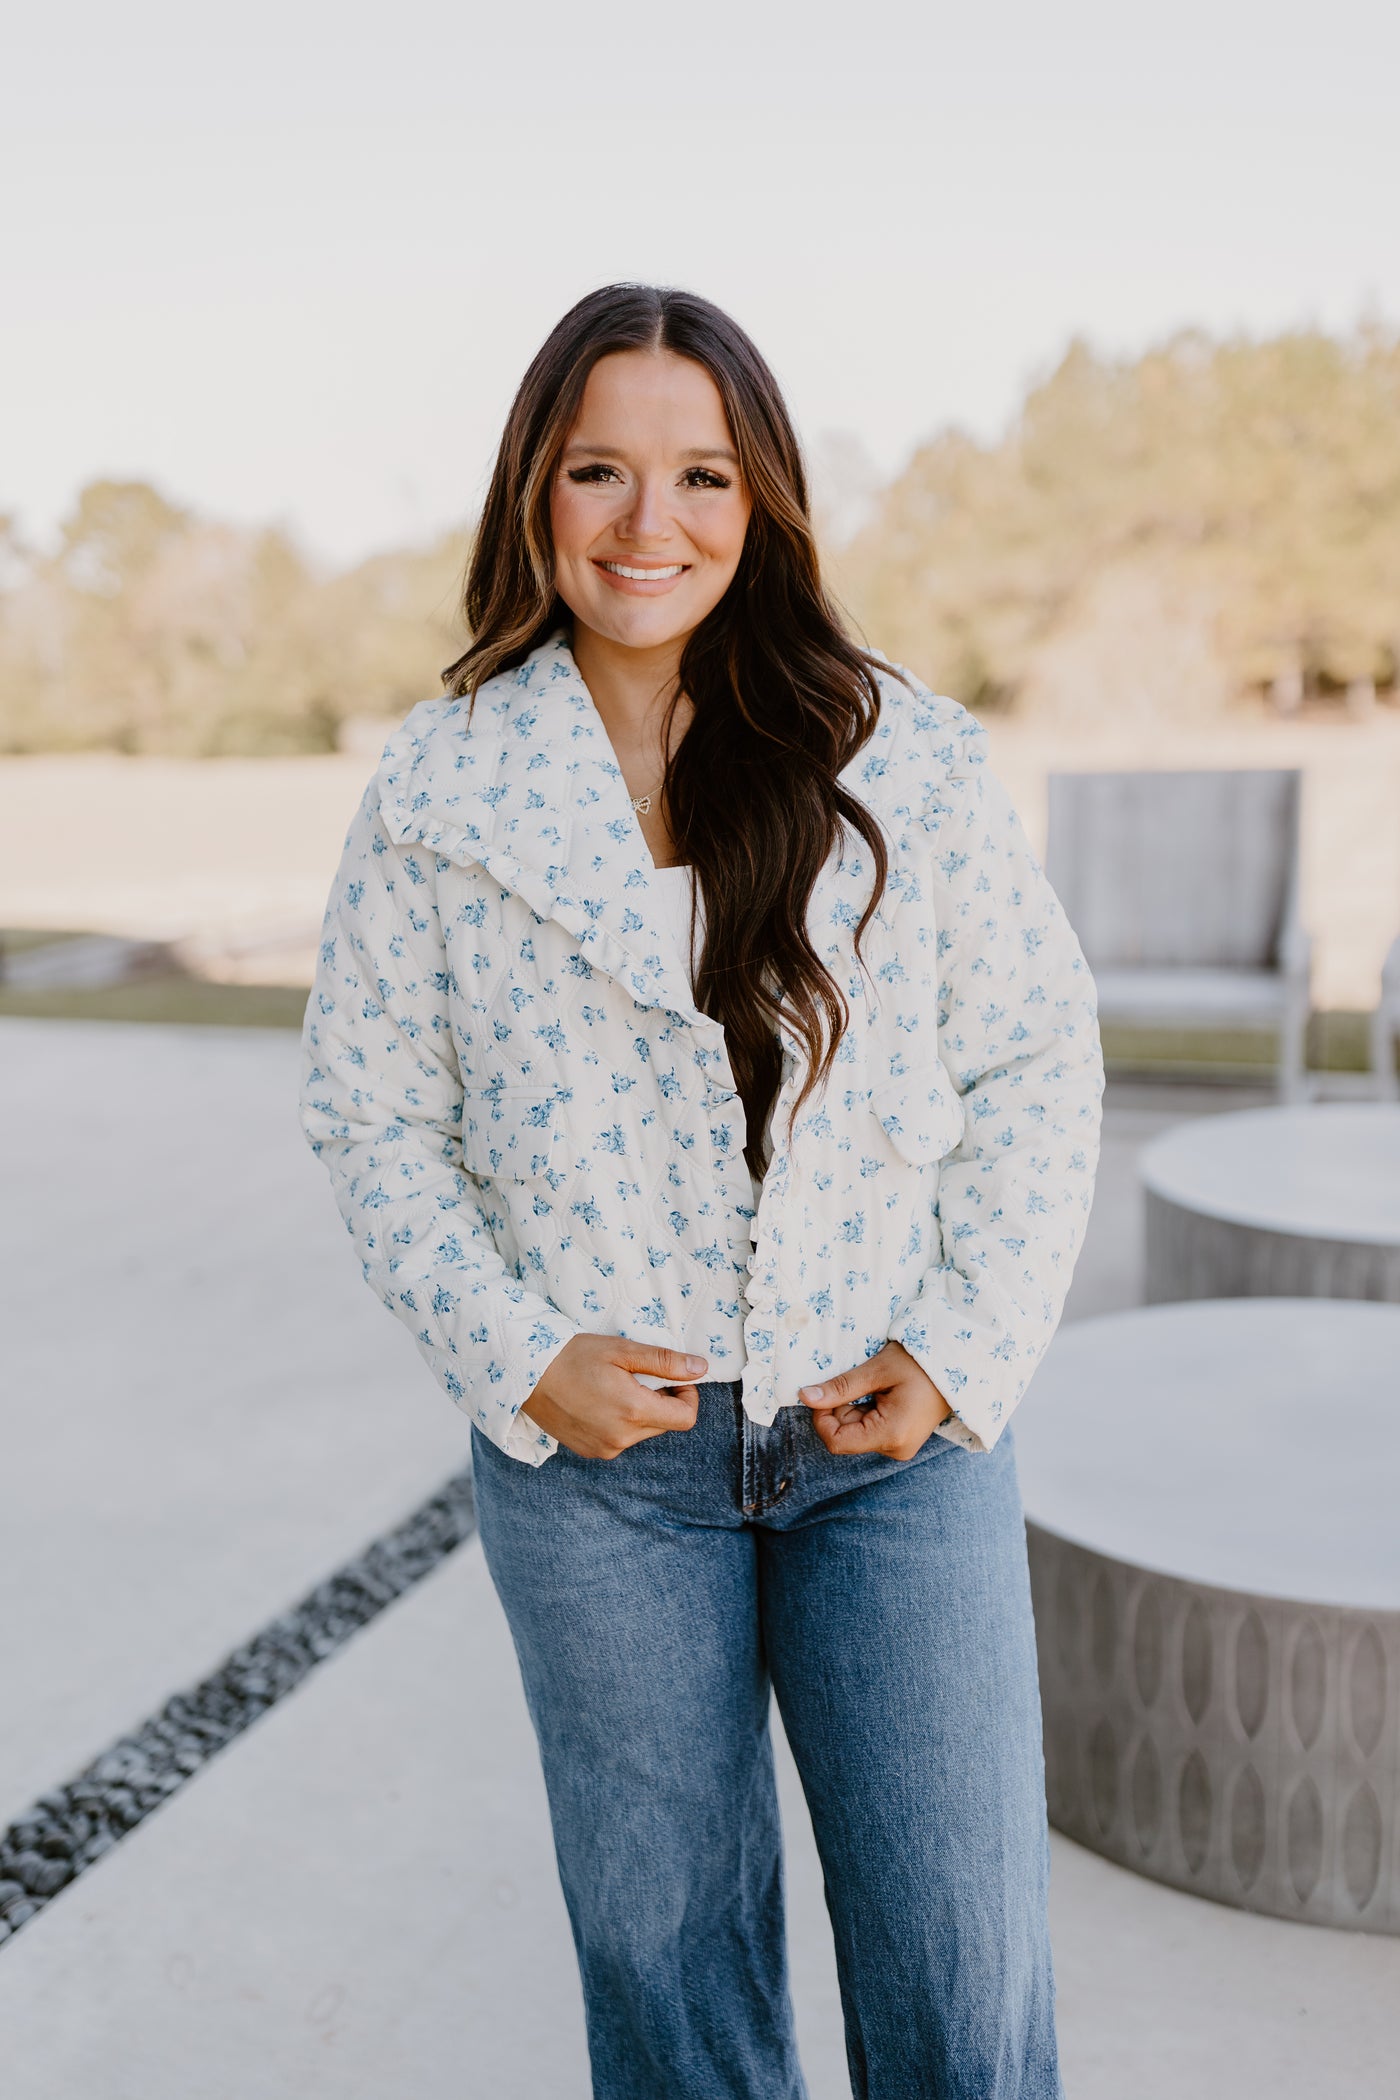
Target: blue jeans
[(654, 1599)]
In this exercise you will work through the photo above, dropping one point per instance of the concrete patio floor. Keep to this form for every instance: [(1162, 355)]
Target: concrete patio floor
[(198, 1419), (205, 1412)]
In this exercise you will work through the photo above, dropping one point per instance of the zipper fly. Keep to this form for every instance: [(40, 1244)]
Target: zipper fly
[(767, 1461)]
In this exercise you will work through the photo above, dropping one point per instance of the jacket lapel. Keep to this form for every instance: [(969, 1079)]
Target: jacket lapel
[(534, 793)]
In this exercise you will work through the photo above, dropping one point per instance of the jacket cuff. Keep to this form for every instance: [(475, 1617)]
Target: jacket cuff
[(527, 1334), (526, 1442), (969, 1359)]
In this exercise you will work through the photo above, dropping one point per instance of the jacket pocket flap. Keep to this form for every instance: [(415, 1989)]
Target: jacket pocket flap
[(510, 1133), (922, 1113)]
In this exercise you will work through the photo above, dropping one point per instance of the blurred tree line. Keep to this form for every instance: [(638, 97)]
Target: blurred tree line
[(1170, 536), (1210, 524), (150, 629)]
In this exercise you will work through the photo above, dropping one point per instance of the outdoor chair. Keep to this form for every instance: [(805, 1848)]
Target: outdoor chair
[(1385, 1027), (1183, 890)]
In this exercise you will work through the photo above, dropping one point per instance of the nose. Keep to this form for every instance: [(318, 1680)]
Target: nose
[(648, 519)]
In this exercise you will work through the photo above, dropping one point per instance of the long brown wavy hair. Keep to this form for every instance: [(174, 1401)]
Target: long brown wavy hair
[(783, 698)]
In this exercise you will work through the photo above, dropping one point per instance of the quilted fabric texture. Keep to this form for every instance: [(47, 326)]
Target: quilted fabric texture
[(532, 1130)]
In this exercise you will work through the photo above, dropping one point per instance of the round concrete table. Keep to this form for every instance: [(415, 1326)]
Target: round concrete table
[(1276, 1203), (1212, 1496)]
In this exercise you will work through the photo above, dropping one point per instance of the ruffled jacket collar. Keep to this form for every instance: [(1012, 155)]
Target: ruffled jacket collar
[(532, 790)]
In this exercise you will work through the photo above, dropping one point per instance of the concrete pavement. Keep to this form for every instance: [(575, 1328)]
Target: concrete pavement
[(203, 1408)]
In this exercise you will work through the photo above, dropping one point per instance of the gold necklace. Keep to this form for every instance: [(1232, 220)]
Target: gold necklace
[(642, 803)]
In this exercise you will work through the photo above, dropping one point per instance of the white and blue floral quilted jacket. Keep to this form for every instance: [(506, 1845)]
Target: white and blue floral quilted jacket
[(532, 1130)]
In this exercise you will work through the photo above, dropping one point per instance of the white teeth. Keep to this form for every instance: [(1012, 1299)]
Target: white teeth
[(615, 568)]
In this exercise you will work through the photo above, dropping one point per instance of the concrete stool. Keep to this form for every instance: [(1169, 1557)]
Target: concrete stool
[(1276, 1203), (1211, 1501)]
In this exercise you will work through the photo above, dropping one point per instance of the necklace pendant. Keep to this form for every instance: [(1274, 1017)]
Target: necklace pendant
[(641, 803)]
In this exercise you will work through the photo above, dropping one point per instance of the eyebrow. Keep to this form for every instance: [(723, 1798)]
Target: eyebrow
[(693, 452)]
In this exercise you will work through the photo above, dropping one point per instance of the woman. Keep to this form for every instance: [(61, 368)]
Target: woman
[(710, 1080)]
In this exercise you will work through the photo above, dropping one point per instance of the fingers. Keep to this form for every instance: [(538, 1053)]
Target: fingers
[(873, 1376), (593, 1403), (851, 1429), (654, 1412), (670, 1364), (863, 1432), (839, 1422), (633, 1417), (885, 1405)]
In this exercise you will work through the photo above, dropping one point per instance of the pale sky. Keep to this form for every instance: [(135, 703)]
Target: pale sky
[(288, 260)]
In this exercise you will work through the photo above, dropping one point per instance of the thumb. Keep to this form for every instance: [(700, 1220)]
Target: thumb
[(672, 1365), (664, 1408), (847, 1386)]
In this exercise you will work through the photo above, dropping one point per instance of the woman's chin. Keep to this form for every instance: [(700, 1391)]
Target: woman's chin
[(640, 623)]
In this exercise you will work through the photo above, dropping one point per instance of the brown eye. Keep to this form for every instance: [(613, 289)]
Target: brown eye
[(597, 472)]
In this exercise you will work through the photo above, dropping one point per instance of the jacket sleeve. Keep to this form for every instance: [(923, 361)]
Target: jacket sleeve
[(381, 1105), (1018, 1035)]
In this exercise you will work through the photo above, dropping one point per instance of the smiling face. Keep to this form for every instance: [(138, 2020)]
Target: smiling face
[(648, 509)]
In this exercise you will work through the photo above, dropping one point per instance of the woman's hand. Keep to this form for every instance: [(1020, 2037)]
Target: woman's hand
[(590, 1401), (899, 1417)]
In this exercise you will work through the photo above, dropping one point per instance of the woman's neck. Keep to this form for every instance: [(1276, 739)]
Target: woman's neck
[(631, 689)]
